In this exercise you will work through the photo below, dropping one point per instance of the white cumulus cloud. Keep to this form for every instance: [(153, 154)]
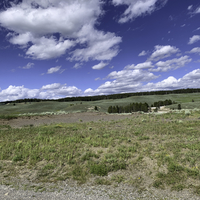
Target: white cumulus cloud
[(100, 45), (20, 39), (17, 92), (51, 86), (195, 50), (123, 81), (164, 66), (161, 52), (47, 48), (51, 28), (145, 65), (99, 66), (190, 80), (193, 39), (121, 84), (51, 91)]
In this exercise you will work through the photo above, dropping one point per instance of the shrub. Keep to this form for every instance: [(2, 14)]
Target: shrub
[(187, 112), (118, 166), (17, 158), (155, 110), (175, 168), (99, 169)]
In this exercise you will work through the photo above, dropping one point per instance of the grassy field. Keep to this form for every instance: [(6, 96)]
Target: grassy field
[(148, 150), (38, 107), (160, 151)]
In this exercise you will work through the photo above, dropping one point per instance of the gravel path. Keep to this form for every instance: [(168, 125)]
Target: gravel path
[(121, 192)]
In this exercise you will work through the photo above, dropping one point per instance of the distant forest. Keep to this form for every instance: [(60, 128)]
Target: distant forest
[(111, 96)]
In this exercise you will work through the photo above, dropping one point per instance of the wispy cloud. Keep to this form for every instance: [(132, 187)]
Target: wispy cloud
[(54, 70), (77, 65), (137, 8), (197, 11), (143, 53), (28, 66), (190, 7)]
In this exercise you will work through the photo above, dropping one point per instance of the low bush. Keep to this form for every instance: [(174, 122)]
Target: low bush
[(99, 169)]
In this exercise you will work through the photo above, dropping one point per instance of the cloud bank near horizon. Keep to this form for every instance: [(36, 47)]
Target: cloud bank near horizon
[(125, 80)]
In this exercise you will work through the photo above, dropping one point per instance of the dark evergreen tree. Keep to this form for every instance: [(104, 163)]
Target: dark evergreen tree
[(161, 103), (133, 107), (155, 104), (110, 109), (144, 108), (137, 107), (114, 110), (117, 108)]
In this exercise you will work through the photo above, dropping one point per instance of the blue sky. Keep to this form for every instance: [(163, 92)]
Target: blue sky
[(59, 48)]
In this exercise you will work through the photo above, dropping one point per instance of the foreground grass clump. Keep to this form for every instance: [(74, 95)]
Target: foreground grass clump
[(161, 151)]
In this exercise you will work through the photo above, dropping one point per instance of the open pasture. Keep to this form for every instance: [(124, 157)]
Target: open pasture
[(142, 151), (53, 106)]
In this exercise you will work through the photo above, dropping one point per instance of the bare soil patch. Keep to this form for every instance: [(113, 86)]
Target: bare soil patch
[(66, 118)]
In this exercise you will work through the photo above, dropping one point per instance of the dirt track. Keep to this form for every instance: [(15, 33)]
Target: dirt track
[(67, 118)]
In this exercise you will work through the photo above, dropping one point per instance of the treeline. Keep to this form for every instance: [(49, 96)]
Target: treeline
[(25, 101), (111, 96), (163, 103), (135, 107)]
